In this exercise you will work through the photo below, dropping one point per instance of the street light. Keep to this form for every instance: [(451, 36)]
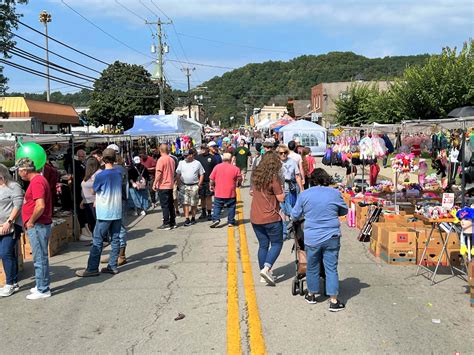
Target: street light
[(45, 18)]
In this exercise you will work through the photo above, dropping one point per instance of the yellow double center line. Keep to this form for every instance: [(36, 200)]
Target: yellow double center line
[(256, 340)]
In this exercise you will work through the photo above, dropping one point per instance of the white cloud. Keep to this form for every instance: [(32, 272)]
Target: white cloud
[(420, 15)]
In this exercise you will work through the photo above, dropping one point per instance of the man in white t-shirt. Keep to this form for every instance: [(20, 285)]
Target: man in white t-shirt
[(189, 176), (299, 161)]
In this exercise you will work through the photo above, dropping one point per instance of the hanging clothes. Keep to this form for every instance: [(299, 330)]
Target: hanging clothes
[(374, 173)]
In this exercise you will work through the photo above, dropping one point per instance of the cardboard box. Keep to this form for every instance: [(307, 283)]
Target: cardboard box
[(436, 240), (398, 238), (394, 218), (455, 257), (470, 273), (398, 256), (431, 257), (378, 227), (374, 247)]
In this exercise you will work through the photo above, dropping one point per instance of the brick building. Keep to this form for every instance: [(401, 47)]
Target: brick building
[(324, 96)]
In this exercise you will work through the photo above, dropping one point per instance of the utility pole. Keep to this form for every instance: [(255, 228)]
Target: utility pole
[(44, 18), (161, 81), (187, 72)]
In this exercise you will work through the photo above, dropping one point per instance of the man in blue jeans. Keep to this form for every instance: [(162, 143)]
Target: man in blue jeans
[(108, 188), (37, 211), (225, 178), (321, 207)]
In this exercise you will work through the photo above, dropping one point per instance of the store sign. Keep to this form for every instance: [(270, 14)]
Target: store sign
[(448, 200)]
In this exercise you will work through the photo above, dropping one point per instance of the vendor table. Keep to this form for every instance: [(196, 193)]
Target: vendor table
[(436, 225)]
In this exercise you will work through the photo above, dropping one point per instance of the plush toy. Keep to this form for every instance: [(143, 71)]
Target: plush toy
[(466, 215)]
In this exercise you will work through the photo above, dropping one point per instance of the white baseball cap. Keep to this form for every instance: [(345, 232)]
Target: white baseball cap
[(114, 147), (136, 160), (211, 144)]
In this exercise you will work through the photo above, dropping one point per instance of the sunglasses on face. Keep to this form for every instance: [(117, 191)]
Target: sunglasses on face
[(283, 153)]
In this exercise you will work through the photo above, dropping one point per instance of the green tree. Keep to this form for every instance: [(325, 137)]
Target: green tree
[(353, 107), (123, 91), (444, 83), (8, 18)]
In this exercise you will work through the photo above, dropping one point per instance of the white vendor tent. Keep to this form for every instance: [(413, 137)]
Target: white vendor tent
[(310, 135), (264, 123), (165, 125)]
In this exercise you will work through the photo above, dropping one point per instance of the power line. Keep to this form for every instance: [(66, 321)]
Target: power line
[(43, 75), (105, 32), (38, 60), (236, 44), (54, 53), (62, 43)]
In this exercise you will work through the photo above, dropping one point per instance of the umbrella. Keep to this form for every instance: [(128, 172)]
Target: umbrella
[(465, 111)]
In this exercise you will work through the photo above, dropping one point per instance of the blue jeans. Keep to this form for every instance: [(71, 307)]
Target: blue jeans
[(39, 236), (219, 204), (102, 229), (270, 242), (123, 230), (9, 256), (329, 251), (286, 206), (140, 198)]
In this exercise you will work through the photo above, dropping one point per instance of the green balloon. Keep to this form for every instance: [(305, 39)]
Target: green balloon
[(33, 151)]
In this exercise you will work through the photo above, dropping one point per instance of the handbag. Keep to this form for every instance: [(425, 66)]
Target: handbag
[(141, 182)]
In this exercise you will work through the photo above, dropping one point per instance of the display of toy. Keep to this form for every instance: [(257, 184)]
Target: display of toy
[(404, 163)]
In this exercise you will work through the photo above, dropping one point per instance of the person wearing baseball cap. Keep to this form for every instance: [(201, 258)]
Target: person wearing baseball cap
[(108, 188), (37, 213), (214, 151), (208, 162)]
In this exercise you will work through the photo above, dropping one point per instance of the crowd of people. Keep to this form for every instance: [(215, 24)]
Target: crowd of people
[(284, 184)]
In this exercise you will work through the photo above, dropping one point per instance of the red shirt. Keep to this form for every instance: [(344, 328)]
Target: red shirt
[(38, 188), (225, 176), (150, 164)]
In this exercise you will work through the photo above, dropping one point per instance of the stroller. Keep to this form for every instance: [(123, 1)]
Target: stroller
[(295, 229)]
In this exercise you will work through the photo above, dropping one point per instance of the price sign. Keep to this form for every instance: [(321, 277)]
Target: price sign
[(448, 200)]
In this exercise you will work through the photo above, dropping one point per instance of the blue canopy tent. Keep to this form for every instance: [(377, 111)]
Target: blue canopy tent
[(165, 125)]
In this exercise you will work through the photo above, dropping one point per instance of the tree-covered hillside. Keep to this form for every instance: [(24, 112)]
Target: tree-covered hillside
[(257, 84)]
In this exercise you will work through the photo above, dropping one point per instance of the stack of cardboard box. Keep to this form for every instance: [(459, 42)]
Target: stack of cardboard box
[(398, 239)]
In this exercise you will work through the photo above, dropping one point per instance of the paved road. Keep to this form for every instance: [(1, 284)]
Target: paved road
[(188, 271)]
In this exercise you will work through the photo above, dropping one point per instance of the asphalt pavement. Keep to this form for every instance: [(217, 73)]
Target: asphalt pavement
[(185, 291)]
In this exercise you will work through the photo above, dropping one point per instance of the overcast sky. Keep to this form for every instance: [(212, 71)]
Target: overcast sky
[(230, 34)]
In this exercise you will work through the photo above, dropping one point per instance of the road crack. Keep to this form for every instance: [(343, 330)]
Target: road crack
[(150, 329)]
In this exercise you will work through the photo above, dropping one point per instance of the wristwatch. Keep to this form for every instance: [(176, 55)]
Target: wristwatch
[(10, 221)]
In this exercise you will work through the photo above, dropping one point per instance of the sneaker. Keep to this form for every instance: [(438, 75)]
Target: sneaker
[(214, 224), (310, 298), (38, 295), (86, 273), (193, 220), (336, 307), (143, 213), (33, 290), (7, 290), (209, 217), (108, 270), (262, 280), (84, 238), (16, 287), (231, 225), (134, 213), (174, 226), (267, 275), (187, 222), (165, 227)]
